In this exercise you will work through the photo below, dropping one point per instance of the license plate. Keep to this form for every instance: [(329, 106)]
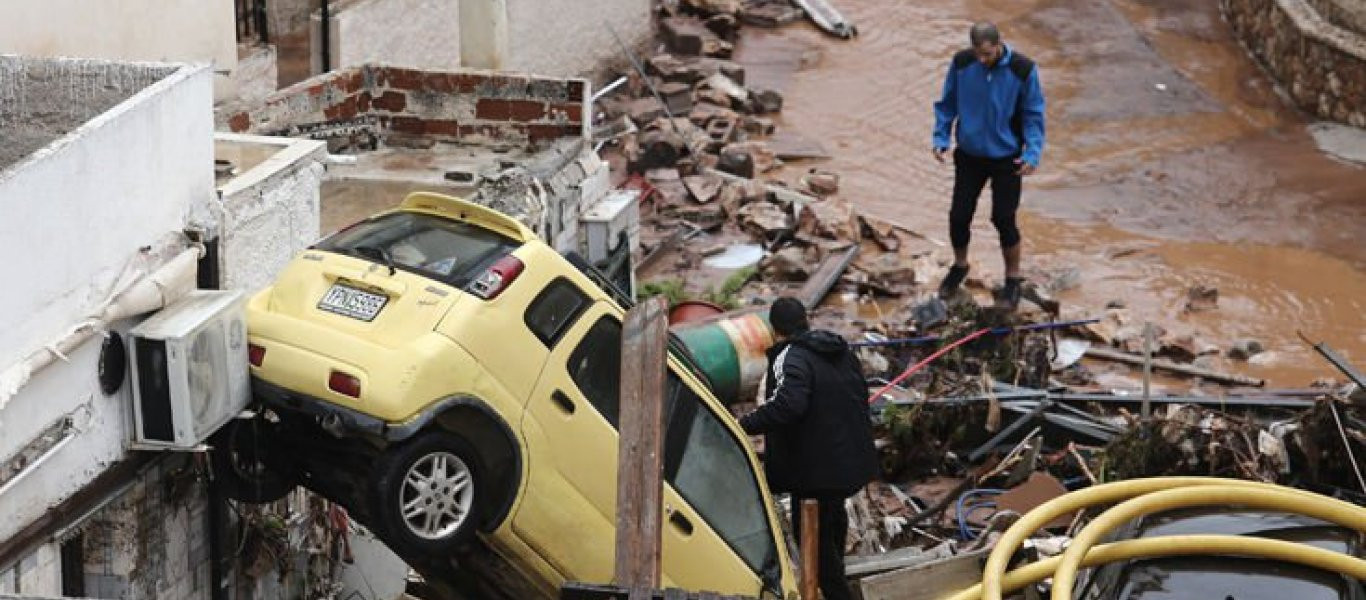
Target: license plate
[(351, 302)]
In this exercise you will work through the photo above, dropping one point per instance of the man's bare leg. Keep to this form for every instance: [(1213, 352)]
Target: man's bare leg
[(1012, 259)]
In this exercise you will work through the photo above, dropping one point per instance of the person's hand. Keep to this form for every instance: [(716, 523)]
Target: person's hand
[(939, 153), (1023, 168)]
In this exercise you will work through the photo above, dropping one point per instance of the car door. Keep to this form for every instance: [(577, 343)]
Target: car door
[(717, 532), (567, 512)]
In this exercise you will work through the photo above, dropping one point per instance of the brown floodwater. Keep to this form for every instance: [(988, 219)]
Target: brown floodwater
[(1171, 162)]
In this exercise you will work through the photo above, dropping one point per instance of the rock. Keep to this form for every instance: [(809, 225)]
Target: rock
[(645, 110), (678, 96), (1063, 280), (872, 361), (890, 273), (767, 101), (771, 14), (1202, 298), (758, 125), (763, 157), (764, 220), (1245, 348), (1265, 358), (715, 7), (725, 26), (1116, 303), (882, 233), (822, 183), (735, 93), (788, 264), (683, 35), (704, 188), (736, 162), (831, 218), (1186, 348), (930, 313)]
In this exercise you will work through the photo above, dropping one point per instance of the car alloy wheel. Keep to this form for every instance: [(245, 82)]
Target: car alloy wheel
[(437, 495)]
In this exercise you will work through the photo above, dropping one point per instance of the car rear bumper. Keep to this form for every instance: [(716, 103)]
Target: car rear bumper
[(333, 418)]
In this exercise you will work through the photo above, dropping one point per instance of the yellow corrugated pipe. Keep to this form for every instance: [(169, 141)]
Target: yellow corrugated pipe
[(1266, 498), (1182, 545), (1108, 493)]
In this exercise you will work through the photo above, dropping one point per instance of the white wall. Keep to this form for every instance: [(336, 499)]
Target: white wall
[(423, 34), (153, 30), (568, 38), (270, 212), (71, 217)]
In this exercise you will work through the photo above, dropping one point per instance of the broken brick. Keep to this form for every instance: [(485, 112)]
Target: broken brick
[(239, 122), (391, 101)]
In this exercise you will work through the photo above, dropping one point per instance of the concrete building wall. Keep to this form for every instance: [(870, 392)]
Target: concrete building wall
[(150, 30), (80, 213), (570, 38), (1321, 65), (270, 211), (422, 34)]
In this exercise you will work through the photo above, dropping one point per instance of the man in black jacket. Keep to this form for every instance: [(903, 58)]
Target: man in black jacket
[(819, 438)]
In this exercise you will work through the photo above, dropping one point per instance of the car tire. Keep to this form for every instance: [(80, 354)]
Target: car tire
[(240, 467), (429, 493)]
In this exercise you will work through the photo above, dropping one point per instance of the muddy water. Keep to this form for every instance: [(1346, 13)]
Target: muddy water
[(1171, 162)]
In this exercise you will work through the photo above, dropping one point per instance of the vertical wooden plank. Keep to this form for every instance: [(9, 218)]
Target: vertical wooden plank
[(811, 515), (640, 455)]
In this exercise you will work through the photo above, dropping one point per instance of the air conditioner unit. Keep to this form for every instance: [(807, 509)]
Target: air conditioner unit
[(189, 367)]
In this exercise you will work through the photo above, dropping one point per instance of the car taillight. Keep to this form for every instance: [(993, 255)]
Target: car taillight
[(343, 383), (497, 278), (256, 354)]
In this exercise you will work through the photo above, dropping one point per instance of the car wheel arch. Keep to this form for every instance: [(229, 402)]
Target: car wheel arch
[(478, 423)]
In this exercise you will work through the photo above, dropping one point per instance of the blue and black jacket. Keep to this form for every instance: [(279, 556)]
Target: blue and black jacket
[(999, 110)]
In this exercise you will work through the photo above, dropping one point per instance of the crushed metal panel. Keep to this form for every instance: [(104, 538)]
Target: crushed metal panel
[(930, 581)]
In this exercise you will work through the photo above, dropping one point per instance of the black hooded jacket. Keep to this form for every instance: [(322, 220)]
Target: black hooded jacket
[(819, 437)]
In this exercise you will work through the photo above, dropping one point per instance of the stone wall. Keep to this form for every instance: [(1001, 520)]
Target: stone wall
[(464, 106), (1321, 65)]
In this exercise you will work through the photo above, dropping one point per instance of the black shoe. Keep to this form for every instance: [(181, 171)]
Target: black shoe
[(952, 281), (1010, 293)]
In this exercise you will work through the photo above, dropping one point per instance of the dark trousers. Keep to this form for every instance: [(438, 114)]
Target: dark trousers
[(834, 529), (970, 175)]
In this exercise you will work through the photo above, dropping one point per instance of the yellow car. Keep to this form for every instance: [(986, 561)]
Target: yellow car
[(442, 371)]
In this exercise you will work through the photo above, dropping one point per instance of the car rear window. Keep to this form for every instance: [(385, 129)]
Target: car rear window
[(449, 251)]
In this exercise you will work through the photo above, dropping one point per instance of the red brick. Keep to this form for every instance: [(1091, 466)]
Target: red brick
[(391, 101), (363, 102), (409, 125), (490, 109), (315, 89), (346, 109), (466, 82), (441, 127), (405, 79), (239, 122), (575, 89), (439, 82), (355, 82), (572, 111), (538, 133)]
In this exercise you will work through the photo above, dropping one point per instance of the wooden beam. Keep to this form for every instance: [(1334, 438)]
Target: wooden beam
[(1171, 367), (826, 276), (811, 515), (640, 453)]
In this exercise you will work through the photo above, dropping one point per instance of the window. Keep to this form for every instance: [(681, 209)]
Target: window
[(595, 367), (709, 468), (554, 310), (443, 249)]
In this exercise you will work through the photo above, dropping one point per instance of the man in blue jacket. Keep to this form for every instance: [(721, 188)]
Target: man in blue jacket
[(994, 96)]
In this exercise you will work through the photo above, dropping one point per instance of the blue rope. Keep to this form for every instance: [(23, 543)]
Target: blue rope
[(916, 341), (962, 511)]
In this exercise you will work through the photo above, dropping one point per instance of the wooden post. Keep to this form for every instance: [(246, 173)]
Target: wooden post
[(1147, 370), (811, 515), (640, 453)]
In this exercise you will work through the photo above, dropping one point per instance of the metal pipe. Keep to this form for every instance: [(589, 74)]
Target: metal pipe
[(326, 35)]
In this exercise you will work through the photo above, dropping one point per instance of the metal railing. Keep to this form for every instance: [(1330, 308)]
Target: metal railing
[(252, 21)]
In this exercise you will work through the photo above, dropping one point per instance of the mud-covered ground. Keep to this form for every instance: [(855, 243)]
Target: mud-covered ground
[(1171, 162)]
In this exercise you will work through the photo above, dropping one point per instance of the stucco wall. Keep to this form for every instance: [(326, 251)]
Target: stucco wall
[(156, 30), (569, 38), (73, 216), (1321, 65), (423, 34), (270, 212)]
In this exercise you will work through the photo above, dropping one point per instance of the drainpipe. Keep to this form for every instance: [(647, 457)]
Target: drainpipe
[(168, 284), (326, 29)]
